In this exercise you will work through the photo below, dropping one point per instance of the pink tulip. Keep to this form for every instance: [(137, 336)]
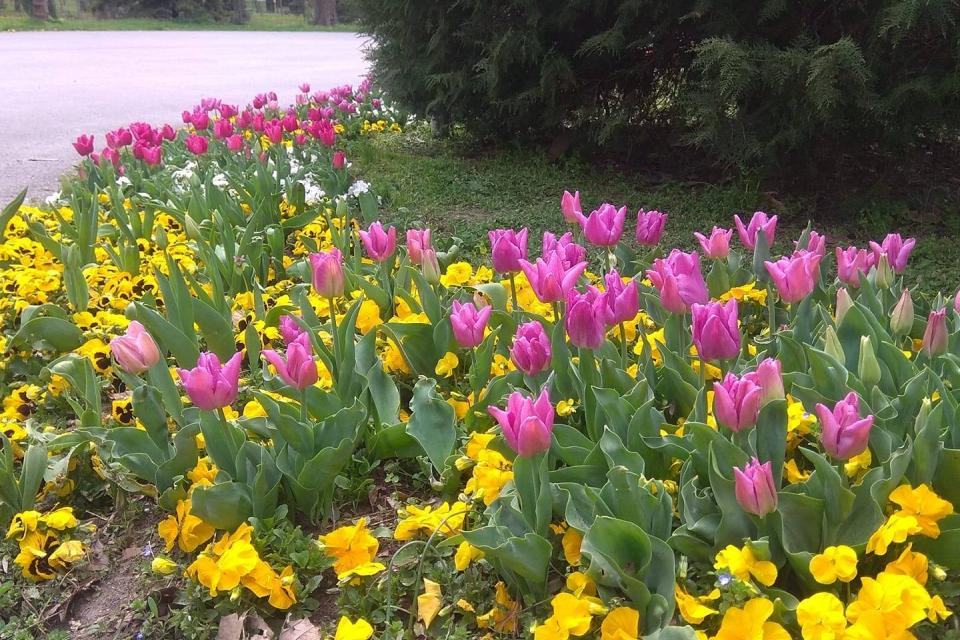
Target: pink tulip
[(621, 302), (527, 425), (299, 369), (200, 121), (305, 88), (111, 155), (585, 319), (679, 281), (850, 262), (222, 129), (897, 250), (211, 386), (569, 251), (151, 156), (417, 241), (119, 138), (549, 279), (327, 273), (290, 329), (339, 158), (135, 351), (795, 277), (468, 323), (531, 350), (650, 227), (168, 133), (816, 243), (228, 111), (844, 434), (956, 302), (759, 222), (717, 246), (755, 489), (197, 145), (570, 205), (235, 143), (604, 226), (379, 244), (430, 266), (716, 332), (736, 402), (935, 336), (274, 131), (507, 249), (84, 145), (770, 379)]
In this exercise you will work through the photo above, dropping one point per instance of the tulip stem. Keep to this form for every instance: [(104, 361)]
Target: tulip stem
[(513, 292), (703, 389), (303, 405), (336, 338), (623, 344), (771, 310)]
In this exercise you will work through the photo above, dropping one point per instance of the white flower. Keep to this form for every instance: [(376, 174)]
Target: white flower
[(220, 181), (358, 188), (53, 198)]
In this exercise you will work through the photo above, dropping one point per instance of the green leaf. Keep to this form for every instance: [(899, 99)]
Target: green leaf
[(9, 211), (226, 505), (432, 423), (60, 335), (31, 475)]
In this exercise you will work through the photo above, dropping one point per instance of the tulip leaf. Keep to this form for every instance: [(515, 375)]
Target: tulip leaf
[(771, 435), (11, 209), (215, 329), (384, 393), (432, 423), (226, 505), (31, 473), (222, 441), (47, 332), (393, 442), (169, 337), (149, 411)]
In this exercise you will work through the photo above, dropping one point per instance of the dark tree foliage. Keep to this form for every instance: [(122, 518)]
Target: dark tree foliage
[(753, 81)]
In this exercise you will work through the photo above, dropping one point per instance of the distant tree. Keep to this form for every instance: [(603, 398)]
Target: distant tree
[(40, 10), (325, 12)]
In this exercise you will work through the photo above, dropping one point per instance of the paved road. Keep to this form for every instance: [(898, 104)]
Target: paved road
[(55, 86)]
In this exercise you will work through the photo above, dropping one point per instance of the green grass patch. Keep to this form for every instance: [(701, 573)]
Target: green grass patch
[(257, 22)]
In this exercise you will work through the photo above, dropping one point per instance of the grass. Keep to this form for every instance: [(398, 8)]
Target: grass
[(460, 192), (257, 22)]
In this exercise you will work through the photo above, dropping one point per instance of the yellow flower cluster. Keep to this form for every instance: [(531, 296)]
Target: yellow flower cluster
[(491, 471), (355, 550), (447, 518), (46, 547)]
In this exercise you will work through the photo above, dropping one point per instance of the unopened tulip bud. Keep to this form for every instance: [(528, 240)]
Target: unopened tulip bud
[(884, 273), (160, 237), (755, 488), (925, 407), (935, 337), (342, 209), (868, 368), (770, 379), (844, 302), (192, 229), (831, 345), (901, 321), (430, 266)]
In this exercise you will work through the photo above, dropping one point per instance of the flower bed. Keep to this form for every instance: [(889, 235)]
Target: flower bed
[(601, 441)]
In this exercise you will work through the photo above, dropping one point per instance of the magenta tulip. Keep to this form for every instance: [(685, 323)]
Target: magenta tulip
[(717, 246), (417, 241), (569, 251), (197, 145), (816, 243), (935, 337), (604, 226), (298, 369), (850, 262), (679, 281), (570, 205), (135, 351), (531, 350), (527, 425), (585, 319), (327, 273), (796, 276), (84, 145), (168, 133), (844, 434), (621, 302), (469, 323), (119, 138), (274, 131), (650, 227), (290, 329), (235, 143), (379, 244), (222, 129), (200, 121), (152, 156), (770, 379), (759, 222), (549, 279), (339, 159), (507, 249), (211, 386), (716, 332), (736, 401), (755, 489), (956, 302), (897, 250)]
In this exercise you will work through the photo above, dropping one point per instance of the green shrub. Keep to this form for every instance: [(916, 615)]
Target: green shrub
[(754, 81)]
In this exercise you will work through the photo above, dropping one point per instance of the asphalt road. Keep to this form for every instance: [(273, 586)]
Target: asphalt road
[(55, 86)]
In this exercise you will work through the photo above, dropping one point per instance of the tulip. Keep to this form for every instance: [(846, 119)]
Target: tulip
[(290, 329), (197, 145), (168, 133), (868, 368), (550, 281), (569, 251), (884, 277), (901, 320), (222, 128), (339, 159), (736, 401), (679, 281), (770, 379), (956, 302), (816, 243), (896, 249), (570, 205), (228, 111), (430, 266), (417, 241), (469, 324), (274, 131), (200, 121), (935, 336), (135, 351), (844, 302), (327, 272), (650, 227), (755, 489), (152, 156), (527, 425), (585, 319), (844, 434), (796, 276), (717, 246), (84, 145), (621, 302), (235, 143), (119, 138), (299, 369), (604, 226), (507, 249), (716, 333), (379, 244), (759, 222), (111, 155), (305, 88), (211, 386), (850, 262), (531, 350), (831, 344)]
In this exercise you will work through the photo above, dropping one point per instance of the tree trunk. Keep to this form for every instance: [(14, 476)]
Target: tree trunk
[(239, 11), (325, 12), (40, 10), (271, 6)]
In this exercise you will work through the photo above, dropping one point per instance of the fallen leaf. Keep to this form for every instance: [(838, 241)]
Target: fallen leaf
[(231, 627), (130, 552), (301, 629), (259, 629)]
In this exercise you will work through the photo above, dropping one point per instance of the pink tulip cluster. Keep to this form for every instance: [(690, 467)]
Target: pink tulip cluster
[(298, 369)]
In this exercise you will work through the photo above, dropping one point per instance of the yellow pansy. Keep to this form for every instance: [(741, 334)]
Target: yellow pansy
[(351, 546), (923, 504), (163, 566), (426, 520), (571, 617), (571, 542), (429, 602), (693, 609), (460, 406), (751, 623), (458, 273), (503, 616), (793, 474), (622, 623), (895, 530), (466, 553), (185, 530), (821, 617), (23, 523), (856, 466), (910, 563), (742, 563), (937, 611), (566, 407), (465, 606), (359, 630), (447, 365), (580, 585), (66, 554), (900, 601), (835, 563)]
